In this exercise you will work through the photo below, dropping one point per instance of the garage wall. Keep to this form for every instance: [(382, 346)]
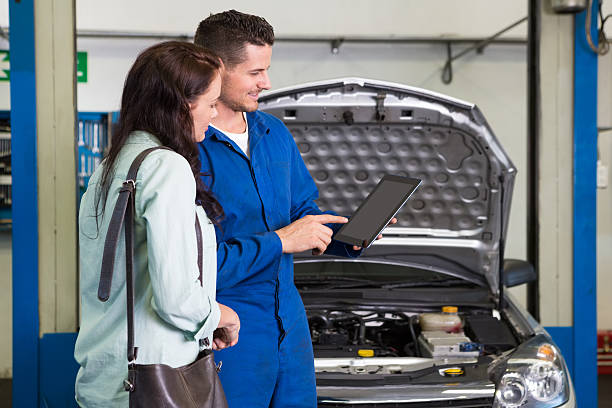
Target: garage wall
[(469, 18), (363, 18), (554, 192)]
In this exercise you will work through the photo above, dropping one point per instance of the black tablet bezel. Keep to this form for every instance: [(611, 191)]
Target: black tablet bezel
[(339, 236)]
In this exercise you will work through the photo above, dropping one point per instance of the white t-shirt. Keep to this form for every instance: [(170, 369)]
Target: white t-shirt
[(241, 139)]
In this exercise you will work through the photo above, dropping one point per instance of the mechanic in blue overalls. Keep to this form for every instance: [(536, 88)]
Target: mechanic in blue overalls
[(256, 172)]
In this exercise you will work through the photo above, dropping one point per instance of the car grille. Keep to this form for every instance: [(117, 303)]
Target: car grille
[(472, 403)]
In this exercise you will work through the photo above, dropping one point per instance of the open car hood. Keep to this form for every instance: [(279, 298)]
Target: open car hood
[(352, 131)]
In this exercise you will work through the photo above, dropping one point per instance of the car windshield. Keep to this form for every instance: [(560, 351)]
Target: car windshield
[(369, 274)]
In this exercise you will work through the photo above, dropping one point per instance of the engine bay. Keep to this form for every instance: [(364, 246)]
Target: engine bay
[(394, 341)]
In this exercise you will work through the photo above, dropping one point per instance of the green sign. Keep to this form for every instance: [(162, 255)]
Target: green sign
[(81, 66), (5, 66)]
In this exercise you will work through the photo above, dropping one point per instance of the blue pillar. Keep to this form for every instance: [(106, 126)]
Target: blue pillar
[(25, 204), (585, 213)]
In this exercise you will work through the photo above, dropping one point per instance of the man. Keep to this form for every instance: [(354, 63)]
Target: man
[(253, 166)]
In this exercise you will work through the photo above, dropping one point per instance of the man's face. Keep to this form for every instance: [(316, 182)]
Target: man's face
[(242, 83)]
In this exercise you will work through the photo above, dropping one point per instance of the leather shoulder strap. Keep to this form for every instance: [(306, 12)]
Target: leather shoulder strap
[(124, 210), (198, 229), (116, 223)]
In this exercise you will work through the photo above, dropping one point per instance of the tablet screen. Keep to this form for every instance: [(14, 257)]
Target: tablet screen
[(377, 210)]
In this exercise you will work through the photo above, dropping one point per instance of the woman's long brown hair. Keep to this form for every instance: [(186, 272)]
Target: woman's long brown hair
[(161, 84)]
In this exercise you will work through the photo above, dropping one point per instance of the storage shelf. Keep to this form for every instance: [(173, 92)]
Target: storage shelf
[(93, 138)]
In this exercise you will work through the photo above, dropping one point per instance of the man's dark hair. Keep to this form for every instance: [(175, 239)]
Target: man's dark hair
[(228, 33)]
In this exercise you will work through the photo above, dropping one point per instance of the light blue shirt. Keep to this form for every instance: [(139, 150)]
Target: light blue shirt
[(172, 310)]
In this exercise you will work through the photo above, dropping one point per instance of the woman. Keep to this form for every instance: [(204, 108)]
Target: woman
[(168, 100)]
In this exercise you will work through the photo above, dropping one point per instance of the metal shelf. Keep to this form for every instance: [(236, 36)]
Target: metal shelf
[(93, 138)]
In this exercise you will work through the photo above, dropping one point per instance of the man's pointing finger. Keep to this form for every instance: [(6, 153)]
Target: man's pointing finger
[(330, 219)]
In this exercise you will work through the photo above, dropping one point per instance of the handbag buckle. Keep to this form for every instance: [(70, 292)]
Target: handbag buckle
[(218, 366), (129, 185), (128, 386)]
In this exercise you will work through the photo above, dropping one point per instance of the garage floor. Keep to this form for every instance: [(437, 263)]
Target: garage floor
[(5, 393), (605, 392)]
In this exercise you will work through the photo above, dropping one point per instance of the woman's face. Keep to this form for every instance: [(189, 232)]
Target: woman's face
[(204, 108)]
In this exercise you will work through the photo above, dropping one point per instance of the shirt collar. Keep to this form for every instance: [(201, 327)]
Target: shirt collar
[(141, 136), (257, 128)]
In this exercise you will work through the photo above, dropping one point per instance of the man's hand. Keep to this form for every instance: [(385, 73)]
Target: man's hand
[(393, 221), (309, 232), (226, 334)]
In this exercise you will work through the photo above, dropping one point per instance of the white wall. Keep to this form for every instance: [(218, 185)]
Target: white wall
[(555, 226), (468, 18), (109, 60)]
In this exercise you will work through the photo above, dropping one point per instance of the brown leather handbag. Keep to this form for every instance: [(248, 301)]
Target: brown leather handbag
[(155, 385)]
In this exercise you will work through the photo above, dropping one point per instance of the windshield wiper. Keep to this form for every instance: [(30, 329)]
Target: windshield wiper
[(330, 282), (435, 283)]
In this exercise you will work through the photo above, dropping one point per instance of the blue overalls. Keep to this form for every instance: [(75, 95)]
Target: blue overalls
[(272, 364)]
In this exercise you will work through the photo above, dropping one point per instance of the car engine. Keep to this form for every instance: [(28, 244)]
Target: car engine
[(392, 333), (351, 333)]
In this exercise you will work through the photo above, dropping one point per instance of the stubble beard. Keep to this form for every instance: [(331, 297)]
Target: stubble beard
[(237, 105)]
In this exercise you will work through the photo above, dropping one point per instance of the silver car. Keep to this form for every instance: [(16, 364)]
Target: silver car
[(370, 318)]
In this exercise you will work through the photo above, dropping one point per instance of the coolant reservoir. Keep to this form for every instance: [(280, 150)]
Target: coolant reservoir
[(448, 321)]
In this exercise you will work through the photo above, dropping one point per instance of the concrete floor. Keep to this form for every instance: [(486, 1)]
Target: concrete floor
[(605, 392)]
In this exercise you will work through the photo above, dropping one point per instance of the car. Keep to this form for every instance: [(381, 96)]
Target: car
[(422, 318)]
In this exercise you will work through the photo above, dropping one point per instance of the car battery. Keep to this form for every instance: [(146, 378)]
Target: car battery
[(604, 352), (439, 344)]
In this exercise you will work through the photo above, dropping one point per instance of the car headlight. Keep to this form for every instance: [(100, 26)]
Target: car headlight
[(533, 376)]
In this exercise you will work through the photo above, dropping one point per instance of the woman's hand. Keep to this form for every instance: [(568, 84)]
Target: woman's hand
[(226, 334)]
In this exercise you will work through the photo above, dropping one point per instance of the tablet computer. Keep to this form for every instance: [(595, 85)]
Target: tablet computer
[(373, 215)]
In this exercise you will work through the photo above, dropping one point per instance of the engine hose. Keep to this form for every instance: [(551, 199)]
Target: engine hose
[(417, 348), (362, 331)]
